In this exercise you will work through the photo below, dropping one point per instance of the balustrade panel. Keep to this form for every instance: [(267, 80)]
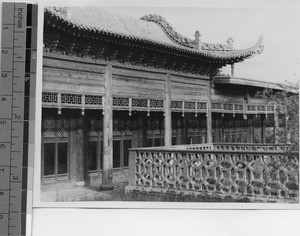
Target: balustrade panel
[(238, 170)]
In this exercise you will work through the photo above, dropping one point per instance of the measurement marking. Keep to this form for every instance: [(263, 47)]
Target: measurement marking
[(19, 61), (15, 151), (16, 181), (3, 94), (7, 71), (8, 166), (17, 91), (19, 31), (11, 128), (14, 211)]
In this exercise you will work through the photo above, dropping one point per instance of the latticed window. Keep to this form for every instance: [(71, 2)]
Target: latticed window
[(233, 129), (270, 129), (216, 127), (196, 128), (122, 138), (155, 130), (55, 146), (94, 130)]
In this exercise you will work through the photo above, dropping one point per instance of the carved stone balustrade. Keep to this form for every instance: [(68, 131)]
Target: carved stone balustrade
[(268, 173)]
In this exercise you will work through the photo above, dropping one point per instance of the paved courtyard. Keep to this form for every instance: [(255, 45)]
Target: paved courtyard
[(84, 193)]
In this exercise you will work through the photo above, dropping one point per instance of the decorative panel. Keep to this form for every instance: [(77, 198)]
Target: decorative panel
[(49, 98), (260, 173), (71, 99), (93, 100)]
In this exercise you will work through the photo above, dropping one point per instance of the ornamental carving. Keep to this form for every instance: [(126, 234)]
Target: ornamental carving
[(172, 33), (182, 40)]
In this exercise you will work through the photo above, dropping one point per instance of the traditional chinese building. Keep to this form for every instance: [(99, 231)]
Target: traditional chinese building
[(114, 82)]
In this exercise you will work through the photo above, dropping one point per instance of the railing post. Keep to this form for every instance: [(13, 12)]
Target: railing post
[(131, 168), (208, 118), (168, 114), (107, 171)]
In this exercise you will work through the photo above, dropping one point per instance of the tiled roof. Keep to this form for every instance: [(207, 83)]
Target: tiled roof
[(157, 32)]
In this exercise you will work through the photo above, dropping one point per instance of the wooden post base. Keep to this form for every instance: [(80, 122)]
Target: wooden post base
[(107, 176)]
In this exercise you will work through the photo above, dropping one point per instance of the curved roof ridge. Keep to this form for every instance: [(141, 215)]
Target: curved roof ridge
[(160, 32), (170, 30), (94, 19)]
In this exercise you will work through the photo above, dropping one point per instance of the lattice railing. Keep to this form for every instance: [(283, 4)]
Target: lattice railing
[(239, 108), (81, 101), (258, 172), (189, 107)]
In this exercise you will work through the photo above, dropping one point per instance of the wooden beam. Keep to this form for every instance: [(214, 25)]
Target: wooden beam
[(107, 168), (167, 110), (209, 116)]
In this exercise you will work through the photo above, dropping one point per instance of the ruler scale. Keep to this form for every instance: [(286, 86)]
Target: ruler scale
[(17, 88)]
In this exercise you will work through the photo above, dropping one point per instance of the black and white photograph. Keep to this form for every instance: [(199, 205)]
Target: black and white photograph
[(149, 117), (170, 104)]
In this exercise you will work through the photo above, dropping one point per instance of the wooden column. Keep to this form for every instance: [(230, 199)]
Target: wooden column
[(208, 118), (77, 155), (168, 114), (217, 128), (251, 127), (287, 130), (107, 168), (232, 69), (263, 128), (276, 126)]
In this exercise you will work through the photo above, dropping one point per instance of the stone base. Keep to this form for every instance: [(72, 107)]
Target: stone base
[(80, 184), (106, 186)]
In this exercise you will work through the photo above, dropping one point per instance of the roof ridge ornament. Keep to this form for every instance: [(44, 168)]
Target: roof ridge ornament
[(171, 32), (230, 41), (258, 48), (197, 40), (185, 41), (260, 44), (61, 10)]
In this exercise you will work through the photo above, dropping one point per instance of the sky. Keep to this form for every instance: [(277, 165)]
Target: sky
[(278, 25)]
